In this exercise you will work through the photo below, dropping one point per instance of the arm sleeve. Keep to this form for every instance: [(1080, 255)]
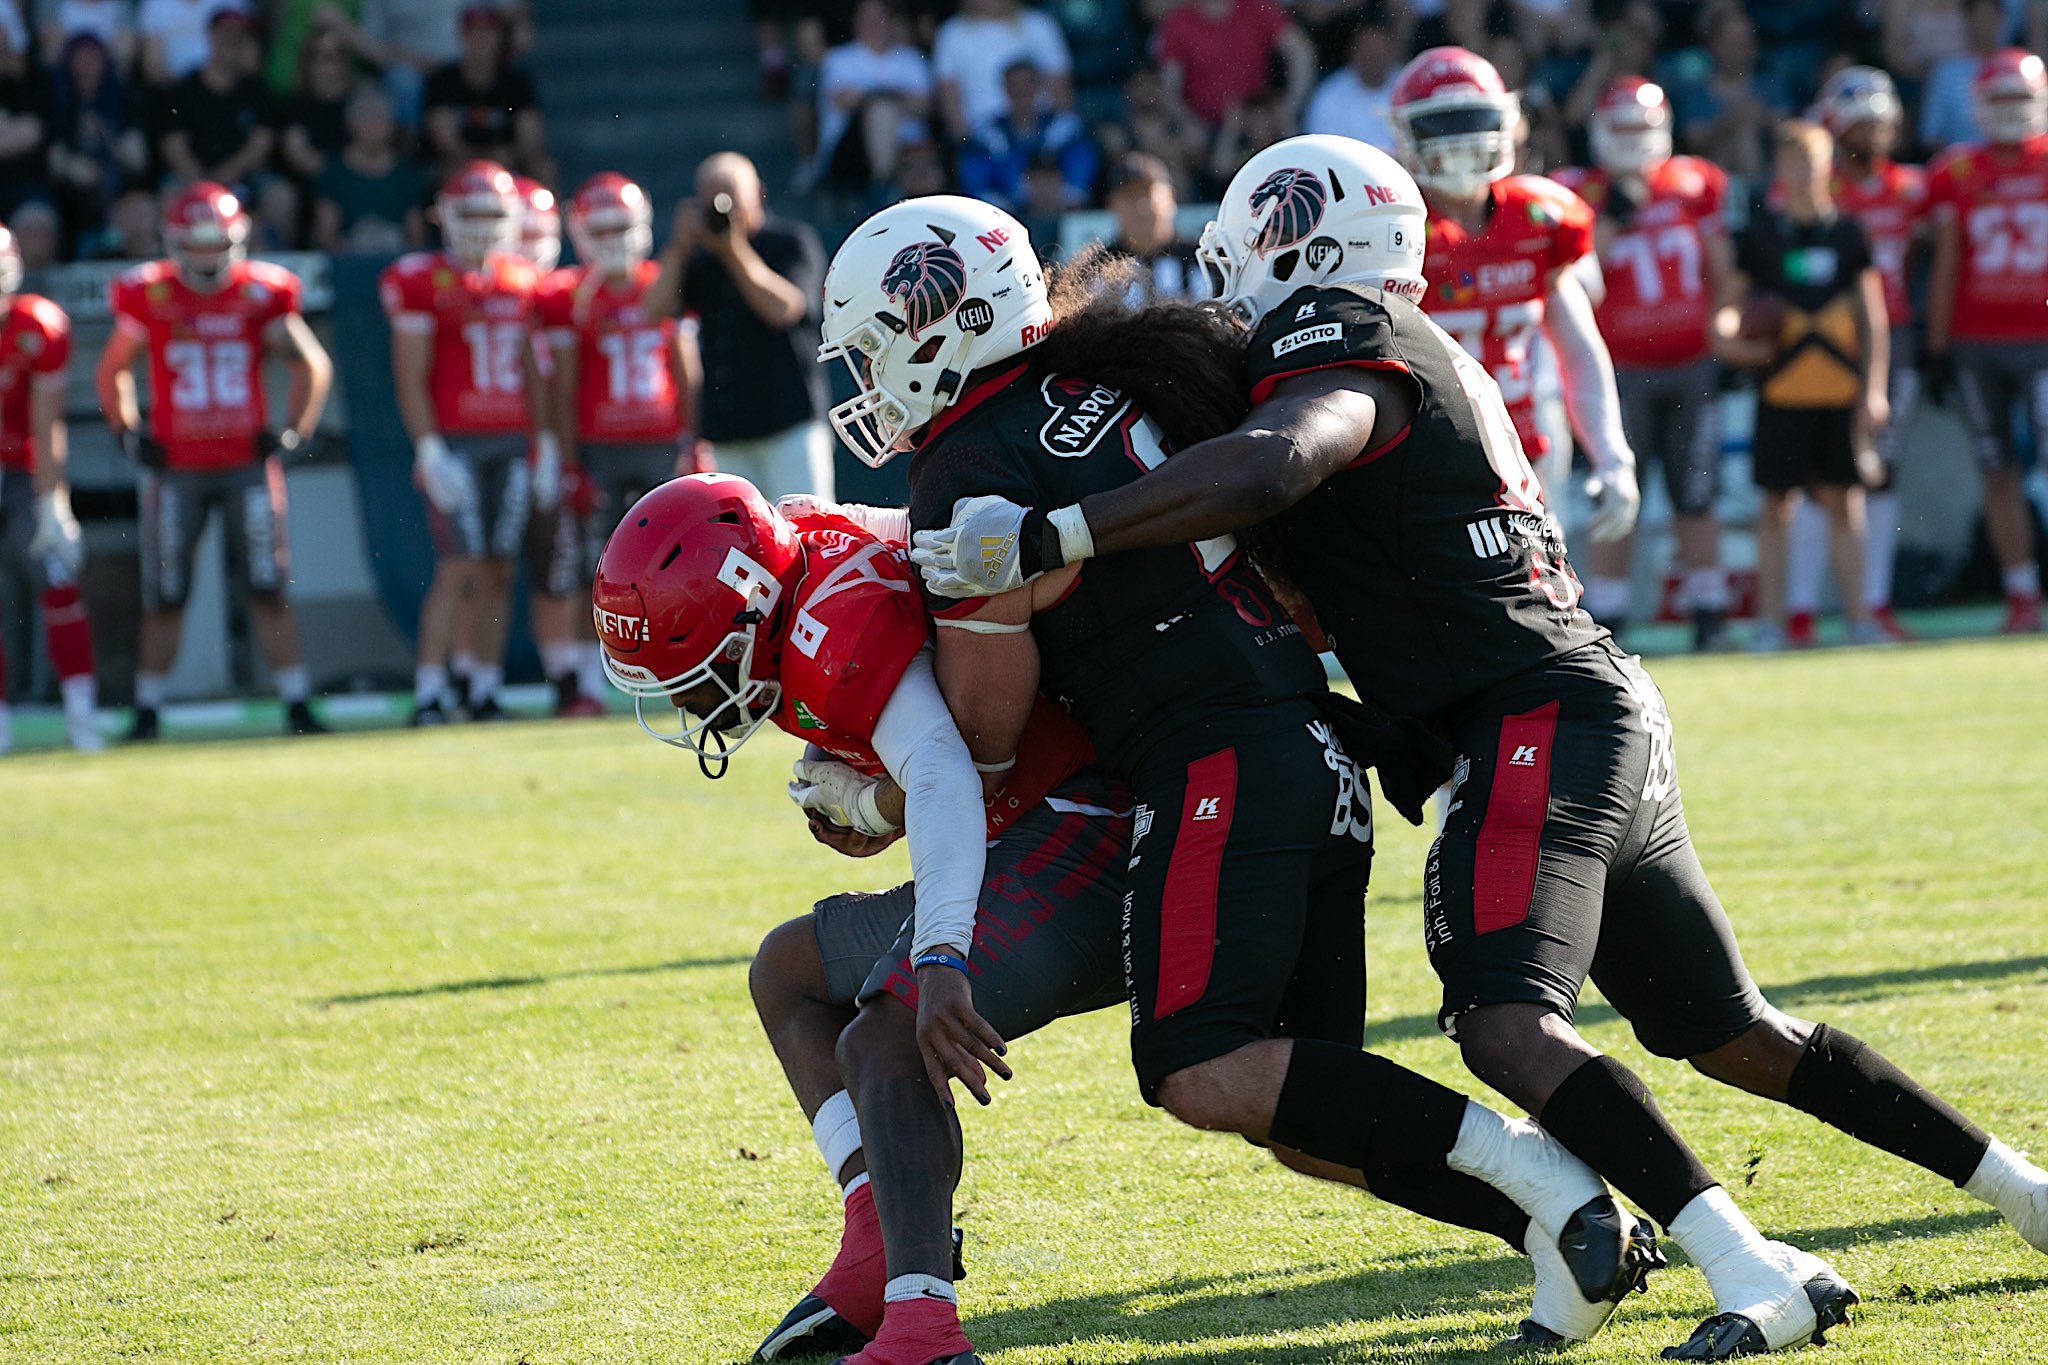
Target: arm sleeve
[(1588, 371), (943, 816)]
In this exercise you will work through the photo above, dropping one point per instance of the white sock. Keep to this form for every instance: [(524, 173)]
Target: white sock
[(1806, 557), (558, 657), (2023, 580), (1524, 1163), (150, 690), (1707, 589), (2016, 1187), (1880, 546), (484, 681), (81, 695), (919, 1287), (293, 685), (590, 668), (1607, 598), (836, 1130), (1724, 1244), (461, 663), (429, 681)]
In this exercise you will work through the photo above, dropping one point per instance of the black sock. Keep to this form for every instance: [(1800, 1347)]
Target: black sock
[(1349, 1107), (1452, 1197), (1606, 1117), (1846, 1085)]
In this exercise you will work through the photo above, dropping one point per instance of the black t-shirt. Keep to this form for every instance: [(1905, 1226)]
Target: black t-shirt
[(758, 380), (1817, 269), (24, 96), (1147, 642), (1431, 562), (483, 115), (325, 122), (216, 125)]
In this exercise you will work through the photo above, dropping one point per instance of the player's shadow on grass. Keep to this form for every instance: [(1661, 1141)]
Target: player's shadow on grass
[(1815, 989), (502, 983)]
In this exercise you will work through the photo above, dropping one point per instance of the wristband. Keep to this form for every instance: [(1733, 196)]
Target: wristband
[(1001, 767), (1076, 541), (958, 964)]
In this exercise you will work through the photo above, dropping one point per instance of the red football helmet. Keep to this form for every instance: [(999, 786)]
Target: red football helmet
[(2010, 96), (479, 211), (688, 592), (611, 223), (1630, 128), (540, 224), (10, 264), (206, 232), (1455, 121)]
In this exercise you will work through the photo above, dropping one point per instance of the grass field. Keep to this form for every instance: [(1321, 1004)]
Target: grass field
[(435, 1047)]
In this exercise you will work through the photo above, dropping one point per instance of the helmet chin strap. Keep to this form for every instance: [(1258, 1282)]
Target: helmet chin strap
[(705, 761)]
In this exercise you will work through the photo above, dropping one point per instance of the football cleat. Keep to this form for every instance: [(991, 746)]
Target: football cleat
[(300, 720), (1811, 1298), (579, 708), (812, 1328), (1799, 630), (1600, 1256), (145, 727), (1890, 625), (1709, 630), (918, 1332), (428, 713), (82, 732), (2022, 616), (488, 709)]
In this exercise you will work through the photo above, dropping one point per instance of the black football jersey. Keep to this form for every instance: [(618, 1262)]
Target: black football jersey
[(1147, 642), (1431, 561)]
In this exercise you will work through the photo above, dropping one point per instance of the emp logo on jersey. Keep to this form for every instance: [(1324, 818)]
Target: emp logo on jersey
[(1081, 412)]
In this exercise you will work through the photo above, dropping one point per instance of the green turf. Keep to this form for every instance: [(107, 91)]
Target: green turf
[(435, 1047)]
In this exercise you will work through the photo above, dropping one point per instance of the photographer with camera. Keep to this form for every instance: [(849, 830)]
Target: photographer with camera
[(755, 284)]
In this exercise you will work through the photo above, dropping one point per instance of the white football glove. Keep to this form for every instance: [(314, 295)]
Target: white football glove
[(442, 477), (1616, 500), (57, 535), (883, 523), (547, 472), (841, 794), (1006, 546)]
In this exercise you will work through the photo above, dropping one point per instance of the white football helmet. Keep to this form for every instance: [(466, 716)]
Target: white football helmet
[(1315, 210), (920, 296)]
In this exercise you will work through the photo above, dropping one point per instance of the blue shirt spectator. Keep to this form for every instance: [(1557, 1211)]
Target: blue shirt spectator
[(1947, 113), (996, 160)]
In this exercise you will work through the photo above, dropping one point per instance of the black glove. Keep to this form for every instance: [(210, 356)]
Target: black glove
[(142, 451), (1937, 376), (1412, 759)]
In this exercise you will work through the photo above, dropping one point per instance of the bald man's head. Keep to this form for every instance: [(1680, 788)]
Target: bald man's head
[(733, 174)]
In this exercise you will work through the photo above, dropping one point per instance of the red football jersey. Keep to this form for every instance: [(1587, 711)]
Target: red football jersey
[(205, 355), (857, 621), (1657, 307), (35, 346), (625, 390), (1486, 288), (1889, 203), (482, 323), (1998, 196)]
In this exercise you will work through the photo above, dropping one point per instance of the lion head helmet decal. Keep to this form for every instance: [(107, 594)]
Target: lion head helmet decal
[(1298, 198), (928, 280)]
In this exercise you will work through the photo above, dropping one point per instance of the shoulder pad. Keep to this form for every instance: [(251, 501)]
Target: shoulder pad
[(46, 312), (1317, 328)]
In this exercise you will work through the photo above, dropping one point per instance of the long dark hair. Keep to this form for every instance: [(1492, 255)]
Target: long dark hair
[(1183, 362)]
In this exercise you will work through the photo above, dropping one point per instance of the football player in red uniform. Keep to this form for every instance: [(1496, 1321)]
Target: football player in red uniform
[(1666, 265), (1986, 327), (463, 364), (205, 318), (1860, 106), (1500, 267), (38, 534)]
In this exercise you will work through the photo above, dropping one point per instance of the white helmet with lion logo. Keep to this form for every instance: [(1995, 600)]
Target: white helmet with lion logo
[(1316, 210), (921, 296)]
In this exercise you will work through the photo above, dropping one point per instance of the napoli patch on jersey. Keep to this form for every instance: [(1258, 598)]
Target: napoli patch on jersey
[(1081, 413)]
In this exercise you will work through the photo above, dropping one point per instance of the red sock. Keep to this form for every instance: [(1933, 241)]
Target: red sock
[(853, 1286), (916, 1332), (67, 632)]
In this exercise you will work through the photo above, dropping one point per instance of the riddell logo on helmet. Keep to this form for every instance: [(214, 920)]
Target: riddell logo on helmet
[(628, 629), (1034, 332)]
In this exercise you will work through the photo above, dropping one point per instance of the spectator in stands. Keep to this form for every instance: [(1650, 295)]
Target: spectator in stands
[(1727, 117), (1256, 124), (1542, 143), (1919, 33), (1331, 25), (1948, 113), (1217, 56), (314, 119), (23, 129), (37, 235), (1141, 196), (1043, 204), (404, 40), (920, 170), (756, 284), (368, 195), (1352, 102), (1627, 46), (112, 22), (174, 36), (873, 95), (96, 144), (1472, 24), (1154, 124), (975, 47), (482, 106), (130, 232), (217, 118), (1000, 156)]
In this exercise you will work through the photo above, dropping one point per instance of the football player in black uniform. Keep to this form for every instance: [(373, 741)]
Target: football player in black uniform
[(1243, 937), (1417, 530)]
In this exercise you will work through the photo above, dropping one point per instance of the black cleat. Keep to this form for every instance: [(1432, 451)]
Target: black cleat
[(1709, 630), (488, 710), (144, 729), (1728, 1335), (963, 1358), (812, 1328), (300, 720), (959, 1264), (428, 713), (1600, 1256)]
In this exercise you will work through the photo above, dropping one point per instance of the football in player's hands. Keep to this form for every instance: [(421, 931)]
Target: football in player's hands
[(1761, 318), (851, 842)]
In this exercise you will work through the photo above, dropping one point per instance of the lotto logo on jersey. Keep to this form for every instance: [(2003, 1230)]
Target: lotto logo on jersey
[(1308, 336)]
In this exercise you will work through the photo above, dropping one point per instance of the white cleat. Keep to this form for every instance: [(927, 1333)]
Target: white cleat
[(1601, 1243), (1798, 1296), (83, 732), (2017, 1188)]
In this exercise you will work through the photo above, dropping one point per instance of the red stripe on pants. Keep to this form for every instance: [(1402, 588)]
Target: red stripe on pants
[(1187, 910), (1053, 845), (1511, 835)]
